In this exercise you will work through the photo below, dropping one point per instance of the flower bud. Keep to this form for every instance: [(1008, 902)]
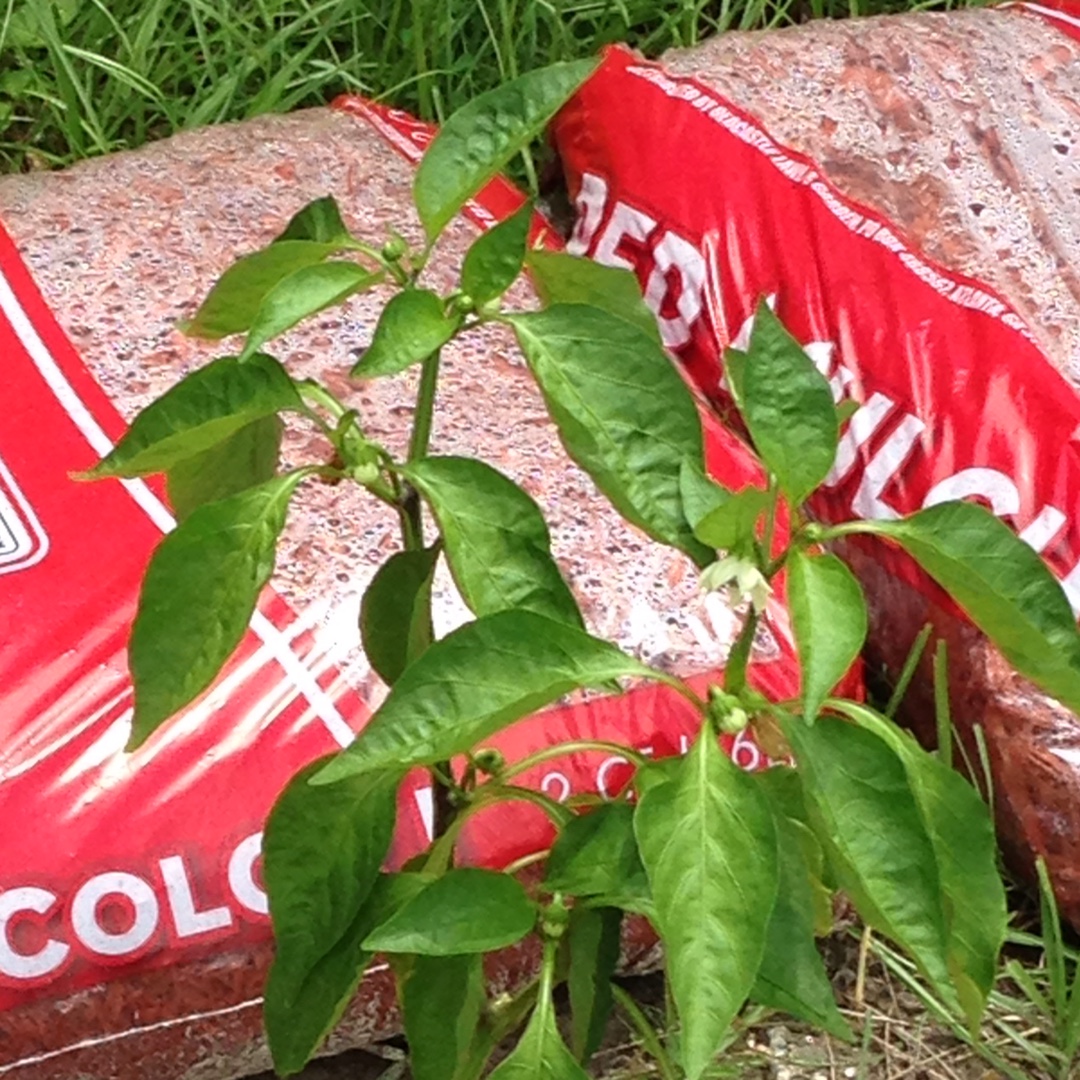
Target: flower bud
[(394, 249), (489, 761)]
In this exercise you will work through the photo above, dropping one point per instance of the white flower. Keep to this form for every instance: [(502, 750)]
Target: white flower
[(742, 579)]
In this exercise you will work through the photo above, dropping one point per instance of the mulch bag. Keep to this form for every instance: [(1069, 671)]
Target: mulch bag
[(134, 937), (906, 193)]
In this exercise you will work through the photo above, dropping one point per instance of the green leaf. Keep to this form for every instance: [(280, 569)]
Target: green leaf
[(828, 613), (709, 846), (792, 975), (783, 789), (623, 412), (476, 681), (482, 136), (198, 413), (234, 302), (540, 1053), (442, 999), (596, 857), (656, 772), (497, 542), (593, 937), (198, 596), (465, 911), (1002, 584), (961, 831), (303, 293), (788, 408), (731, 526), (863, 812), (494, 261), (568, 279), (412, 327), (700, 493), (735, 361), (247, 457), (318, 892), (298, 1019), (395, 613), (320, 221)]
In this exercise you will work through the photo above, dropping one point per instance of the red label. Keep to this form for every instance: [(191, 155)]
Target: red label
[(955, 399)]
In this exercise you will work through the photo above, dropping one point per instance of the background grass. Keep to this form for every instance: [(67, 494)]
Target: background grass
[(84, 77)]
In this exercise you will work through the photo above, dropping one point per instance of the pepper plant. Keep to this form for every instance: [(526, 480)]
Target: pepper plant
[(734, 870)]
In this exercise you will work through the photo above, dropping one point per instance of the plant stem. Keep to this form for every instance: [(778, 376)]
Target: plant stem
[(444, 810), (649, 1038), (412, 535), (425, 407), (558, 813), (907, 673), (735, 671), (770, 520), (847, 528), (525, 861), (581, 746)]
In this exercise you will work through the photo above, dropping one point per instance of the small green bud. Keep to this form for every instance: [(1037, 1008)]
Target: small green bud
[(554, 918), (394, 249), (365, 473), (726, 711), (489, 761)]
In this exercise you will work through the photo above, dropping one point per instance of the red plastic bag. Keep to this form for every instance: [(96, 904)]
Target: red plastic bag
[(964, 389)]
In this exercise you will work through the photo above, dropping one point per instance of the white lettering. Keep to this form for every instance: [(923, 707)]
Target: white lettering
[(625, 221), (990, 484), (884, 465), (673, 252), (242, 875), (840, 382), (590, 203), (1043, 528), (556, 780), (602, 773), (87, 925), (861, 427), (49, 957), (187, 920), (745, 752)]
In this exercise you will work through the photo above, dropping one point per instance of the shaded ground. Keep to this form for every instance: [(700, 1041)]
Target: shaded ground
[(899, 1033)]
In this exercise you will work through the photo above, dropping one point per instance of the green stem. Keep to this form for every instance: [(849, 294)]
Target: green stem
[(444, 810), (907, 673), (547, 974), (847, 528), (770, 521), (425, 408), (735, 671), (410, 510), (411, 516), (489, 794), (581, 746), (526, 860), (649, 1038), (558, 813), (310, 390)]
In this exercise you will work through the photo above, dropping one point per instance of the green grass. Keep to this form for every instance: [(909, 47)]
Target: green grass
[(84, 77)]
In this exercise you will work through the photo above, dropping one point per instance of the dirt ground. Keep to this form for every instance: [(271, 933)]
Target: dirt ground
[(897, 1036)]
